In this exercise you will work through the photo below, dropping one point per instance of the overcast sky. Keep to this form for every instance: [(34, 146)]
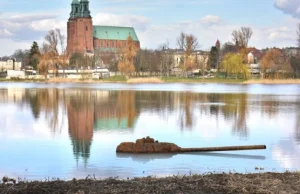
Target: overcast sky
[(156, 21)]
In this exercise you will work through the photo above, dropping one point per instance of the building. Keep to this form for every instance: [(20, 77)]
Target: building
[(254, 56), (177, 57), (83, 37), (10, 64)]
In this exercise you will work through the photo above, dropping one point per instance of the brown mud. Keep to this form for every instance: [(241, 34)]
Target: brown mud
[(210, 183)]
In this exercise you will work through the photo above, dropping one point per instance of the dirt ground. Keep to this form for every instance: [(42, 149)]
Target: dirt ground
[(280, 183)]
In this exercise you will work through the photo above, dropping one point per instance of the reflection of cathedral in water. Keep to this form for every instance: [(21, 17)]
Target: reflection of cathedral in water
[(81, 121), (99, 111)]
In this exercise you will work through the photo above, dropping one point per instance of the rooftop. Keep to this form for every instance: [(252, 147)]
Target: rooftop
[(114, 33)]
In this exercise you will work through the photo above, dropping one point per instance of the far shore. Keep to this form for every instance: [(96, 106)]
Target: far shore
[(287, 182), (158, 80)]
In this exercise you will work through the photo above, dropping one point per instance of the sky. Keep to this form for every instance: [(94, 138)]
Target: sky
[(274, 22)]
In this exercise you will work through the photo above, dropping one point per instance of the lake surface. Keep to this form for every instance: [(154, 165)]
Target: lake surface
[(72, 130)]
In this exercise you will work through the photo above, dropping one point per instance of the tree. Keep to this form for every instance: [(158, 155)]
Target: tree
[(188, 43), (233, 64), (76, 60), (269, 61), (34, 54), (241, 37), (52, 40), (126, 64), (45, 60), (202, 61), (298, 34), (295, 64), (214, 57), (23, 55), (181, 40), (274, 62)]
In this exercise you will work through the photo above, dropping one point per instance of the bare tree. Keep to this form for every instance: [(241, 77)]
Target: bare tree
[(241, 37), (298, 34), (61, 39), (181, 40), (52, 40), (235, 37), (191, 43)]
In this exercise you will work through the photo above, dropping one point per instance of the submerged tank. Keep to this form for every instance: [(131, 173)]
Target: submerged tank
[(149, 145)]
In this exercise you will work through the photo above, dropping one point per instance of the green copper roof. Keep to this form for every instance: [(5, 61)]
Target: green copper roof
[(113, 124), (75, 2), (114, 33)]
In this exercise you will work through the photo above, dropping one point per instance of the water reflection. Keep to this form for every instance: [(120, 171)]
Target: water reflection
[(95, 110), (297, 124), (145, 158), (81, 111), (88, 116)]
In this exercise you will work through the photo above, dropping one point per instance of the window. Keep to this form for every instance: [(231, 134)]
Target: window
[(85, 7), (87, 28), (76, 9)]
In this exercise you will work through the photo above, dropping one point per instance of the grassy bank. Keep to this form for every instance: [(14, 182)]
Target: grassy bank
[(209, 183)]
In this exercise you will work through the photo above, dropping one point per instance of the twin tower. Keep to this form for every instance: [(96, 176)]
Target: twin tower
[(80, 28), (83, 37)]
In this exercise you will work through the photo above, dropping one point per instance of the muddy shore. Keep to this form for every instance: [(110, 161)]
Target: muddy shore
[(210, 183)]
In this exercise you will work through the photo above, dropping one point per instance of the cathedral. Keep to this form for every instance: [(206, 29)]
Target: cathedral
[(83, 37)]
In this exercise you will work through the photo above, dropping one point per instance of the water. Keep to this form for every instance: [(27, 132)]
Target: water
[(72, 130)]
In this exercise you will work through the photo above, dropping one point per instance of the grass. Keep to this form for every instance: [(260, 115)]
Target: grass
[(118, 78)]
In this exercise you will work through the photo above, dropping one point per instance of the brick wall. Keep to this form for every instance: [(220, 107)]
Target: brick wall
[(119, 44), (80, 35)]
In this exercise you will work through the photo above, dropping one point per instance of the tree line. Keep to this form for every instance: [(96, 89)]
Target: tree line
[(230, 59)]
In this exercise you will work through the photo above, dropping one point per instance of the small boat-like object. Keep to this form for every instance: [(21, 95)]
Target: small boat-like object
[(149, 146)]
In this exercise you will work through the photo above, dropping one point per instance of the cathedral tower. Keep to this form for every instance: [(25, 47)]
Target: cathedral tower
[(80, 28)]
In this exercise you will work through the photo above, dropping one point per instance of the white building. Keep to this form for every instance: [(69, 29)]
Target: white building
[(10, 64)]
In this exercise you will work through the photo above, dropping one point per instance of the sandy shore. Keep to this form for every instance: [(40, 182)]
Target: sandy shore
[(273, 81), (156, 80), (210, 183)]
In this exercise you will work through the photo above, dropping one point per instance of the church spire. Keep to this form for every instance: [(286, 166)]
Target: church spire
[(84, 9), (75, 9)]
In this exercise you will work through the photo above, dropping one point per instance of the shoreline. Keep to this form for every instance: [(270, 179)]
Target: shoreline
[(157, 80), (287, 182)]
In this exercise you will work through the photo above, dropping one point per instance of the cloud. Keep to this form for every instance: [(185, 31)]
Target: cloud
[(291, 7), (5, 33), (283, 33), (139, 22), (12, 45), (210, 19), (18, 31)]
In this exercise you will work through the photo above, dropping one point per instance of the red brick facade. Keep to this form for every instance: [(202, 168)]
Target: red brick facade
[(80, 35), (118, 44)]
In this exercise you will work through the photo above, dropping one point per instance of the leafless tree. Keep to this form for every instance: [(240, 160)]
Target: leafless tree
[(298, 34), (181, 40), (52, 40), (61, 39), (191, 44), (241, 37), (246, 34)]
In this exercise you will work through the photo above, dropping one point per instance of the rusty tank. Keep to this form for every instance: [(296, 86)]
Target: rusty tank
[(149, 145)]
